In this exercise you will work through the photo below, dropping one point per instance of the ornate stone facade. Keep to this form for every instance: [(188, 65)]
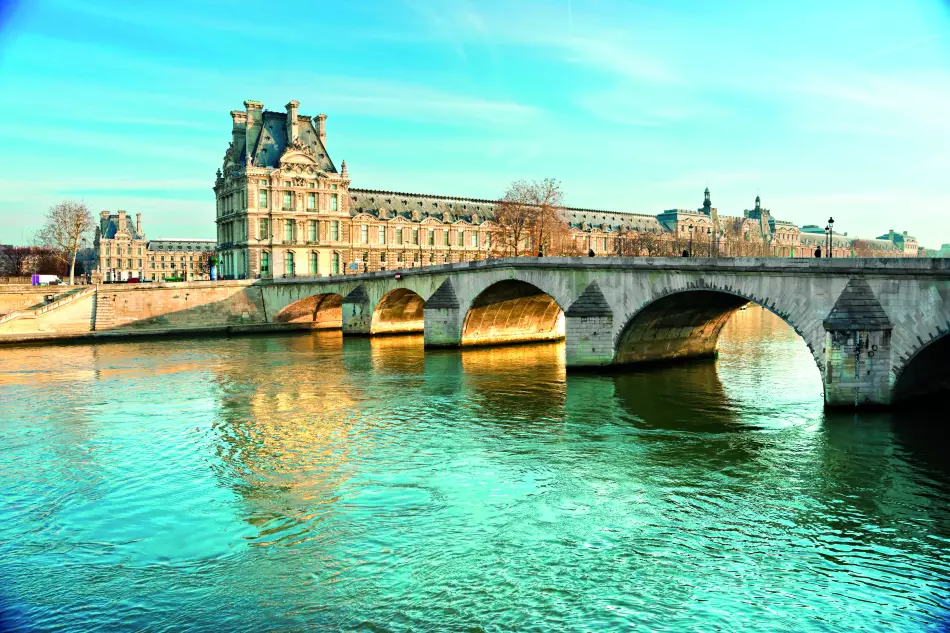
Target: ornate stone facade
[(284, 209), (122, 252)]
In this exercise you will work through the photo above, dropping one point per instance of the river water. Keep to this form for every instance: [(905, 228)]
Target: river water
[(306, 482)]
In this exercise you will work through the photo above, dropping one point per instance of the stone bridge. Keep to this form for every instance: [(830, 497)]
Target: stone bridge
[(875, 327)]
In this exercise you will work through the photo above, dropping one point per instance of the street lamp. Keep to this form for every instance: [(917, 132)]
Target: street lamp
[(827, 240), (831, 236), (690, 240), (709, 237)]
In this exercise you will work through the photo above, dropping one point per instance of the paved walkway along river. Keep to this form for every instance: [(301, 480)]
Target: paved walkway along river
[(304, 482)]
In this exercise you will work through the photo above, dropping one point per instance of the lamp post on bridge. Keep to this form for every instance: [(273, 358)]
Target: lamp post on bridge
[(709, 238), (831, 237), (690, 240)]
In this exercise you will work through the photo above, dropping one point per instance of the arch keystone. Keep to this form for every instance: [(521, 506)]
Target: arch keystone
[(588, 324)]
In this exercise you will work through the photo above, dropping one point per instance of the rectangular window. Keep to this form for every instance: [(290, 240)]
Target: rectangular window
[(311, 185), (461, 238), (335, 264), (333, 202), (382, 235), (262, 199), (311, 201), (289, 231), (286, 183), (431, 237), (334, 230), (313, 263), (603, 244), (265, 263), (445, 237), (288, 200), (415, 236), (333, 187), (263, 229), (364, 234), (399, 236), (261, 183), (289, 264), (475, 239), (312, 230)]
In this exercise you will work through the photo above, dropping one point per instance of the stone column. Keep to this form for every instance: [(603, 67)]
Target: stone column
[(857, 349), (443, 322), (357, 313), (588, 328)]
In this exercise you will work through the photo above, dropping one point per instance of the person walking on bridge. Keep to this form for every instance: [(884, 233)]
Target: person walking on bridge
[(818, 251)]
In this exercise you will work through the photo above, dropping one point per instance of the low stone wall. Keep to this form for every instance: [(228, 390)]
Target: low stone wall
[(15, 297), (180, 305), (115, 310)]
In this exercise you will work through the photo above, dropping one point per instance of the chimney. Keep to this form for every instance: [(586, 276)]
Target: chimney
[(890, 235), (254, 117), (104, 215), (293, 127), (121, 220), (238, 127), (322, 128), (138, 224)]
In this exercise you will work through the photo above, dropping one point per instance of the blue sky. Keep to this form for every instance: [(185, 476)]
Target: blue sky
[(823, 108)]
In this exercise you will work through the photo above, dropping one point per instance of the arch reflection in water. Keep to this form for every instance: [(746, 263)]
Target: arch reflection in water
[(294, 482)]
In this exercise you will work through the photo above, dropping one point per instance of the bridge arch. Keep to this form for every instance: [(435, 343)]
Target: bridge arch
[(685, 323), (512, 311), (926, 372), (399, 311), (323, 310)]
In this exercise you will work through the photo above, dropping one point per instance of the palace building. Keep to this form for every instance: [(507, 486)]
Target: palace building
[(285, 208), (122, 253)]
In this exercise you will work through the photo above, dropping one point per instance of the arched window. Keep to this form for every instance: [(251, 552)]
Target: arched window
[(335, 267), (265, 263), (313, 264), (289, 264)]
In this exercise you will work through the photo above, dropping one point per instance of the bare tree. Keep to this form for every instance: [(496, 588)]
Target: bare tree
[(67, 224), (532, 210), (14, 260)]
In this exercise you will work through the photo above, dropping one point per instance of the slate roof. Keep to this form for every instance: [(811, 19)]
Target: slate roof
[(269, 140), (857, 309), (110, 226), (452, 208)]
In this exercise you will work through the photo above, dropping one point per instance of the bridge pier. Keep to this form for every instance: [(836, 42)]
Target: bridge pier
[(357, 313), (588, 330), (857, 349), (442, 321)]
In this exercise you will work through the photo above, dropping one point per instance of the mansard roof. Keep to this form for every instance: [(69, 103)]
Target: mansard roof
[(109, 226), (425, 205), (272, 141)]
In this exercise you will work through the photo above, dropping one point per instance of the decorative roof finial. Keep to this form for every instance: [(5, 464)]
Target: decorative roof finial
[(343, 167)]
